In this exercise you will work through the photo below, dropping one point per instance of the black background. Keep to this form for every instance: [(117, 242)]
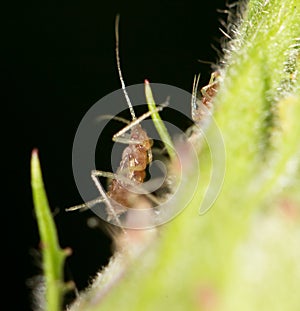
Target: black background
[(58, 60)]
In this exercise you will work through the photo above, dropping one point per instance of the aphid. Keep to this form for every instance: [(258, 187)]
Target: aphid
[(208, 93), (135, 158), (124, 189), (201, 110)]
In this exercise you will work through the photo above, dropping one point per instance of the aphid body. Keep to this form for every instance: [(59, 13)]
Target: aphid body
[(200, 108), (135, 158)]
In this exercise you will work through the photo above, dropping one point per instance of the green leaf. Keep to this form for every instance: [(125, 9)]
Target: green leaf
[(53, 256), (159, 124)]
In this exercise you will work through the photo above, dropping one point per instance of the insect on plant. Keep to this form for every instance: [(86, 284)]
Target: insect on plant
[(126, 188), (208, 93), (136, 156), (201, 109)]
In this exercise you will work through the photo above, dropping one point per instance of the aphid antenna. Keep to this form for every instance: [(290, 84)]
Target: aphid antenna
[(119, 69), (194, 104)]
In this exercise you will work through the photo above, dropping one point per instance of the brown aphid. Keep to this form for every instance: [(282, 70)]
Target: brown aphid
[(208, 93), (123, 189), (201, 109), (135, 157), (132, 169)]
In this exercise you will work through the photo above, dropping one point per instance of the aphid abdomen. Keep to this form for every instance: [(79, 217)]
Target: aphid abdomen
[(139, 176), (122, 195), (117, 192)]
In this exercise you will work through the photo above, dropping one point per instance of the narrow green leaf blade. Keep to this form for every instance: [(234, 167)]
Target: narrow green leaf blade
[(159, 124), (53, 256)]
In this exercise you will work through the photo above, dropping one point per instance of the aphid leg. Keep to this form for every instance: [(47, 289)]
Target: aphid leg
[(138, 188), (112, 117), (94, 175), (122, 138), (85, 206), (106, 200)]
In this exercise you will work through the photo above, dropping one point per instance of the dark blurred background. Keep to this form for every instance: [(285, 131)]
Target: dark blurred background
[(58, 60)]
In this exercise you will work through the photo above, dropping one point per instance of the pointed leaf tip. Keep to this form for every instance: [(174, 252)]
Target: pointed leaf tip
[(35, 153)]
